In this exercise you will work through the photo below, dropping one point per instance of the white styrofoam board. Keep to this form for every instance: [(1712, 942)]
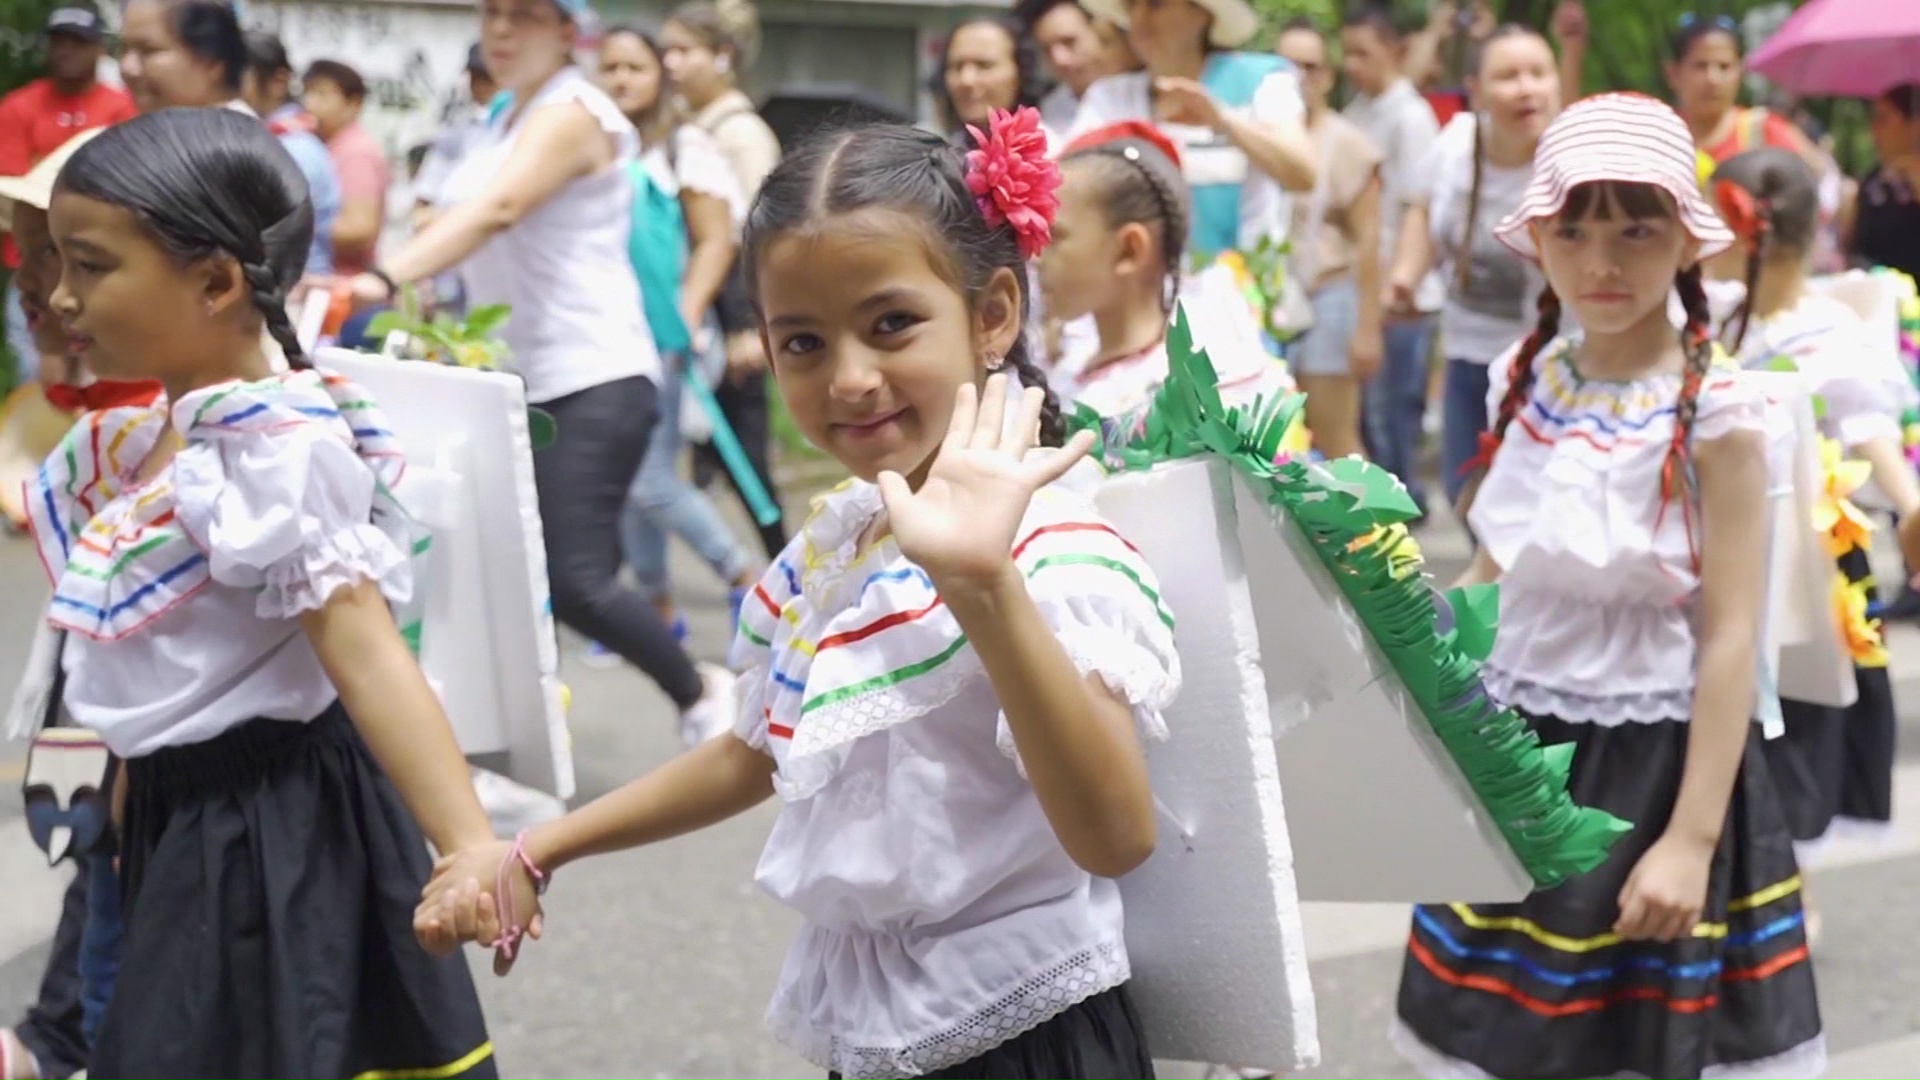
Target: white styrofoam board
[(488, 644), (1213, 918)]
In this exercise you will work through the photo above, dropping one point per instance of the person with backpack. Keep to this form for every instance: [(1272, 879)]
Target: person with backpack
[(687, 211)]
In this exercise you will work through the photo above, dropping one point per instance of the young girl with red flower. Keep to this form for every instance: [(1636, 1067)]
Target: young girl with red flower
[(951, 669)]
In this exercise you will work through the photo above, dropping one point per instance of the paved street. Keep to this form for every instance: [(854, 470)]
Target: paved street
[(658, 964)]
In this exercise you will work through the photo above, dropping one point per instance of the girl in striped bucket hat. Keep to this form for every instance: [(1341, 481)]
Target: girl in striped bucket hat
[(1623, 512)]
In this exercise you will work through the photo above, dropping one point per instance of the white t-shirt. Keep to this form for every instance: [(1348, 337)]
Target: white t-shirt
[(1495, 306), (1402, 125), (1206, 157), (577, 321)]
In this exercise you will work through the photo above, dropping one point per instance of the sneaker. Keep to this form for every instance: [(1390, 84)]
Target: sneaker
[(712, 715), (599, 657), (512, 807)]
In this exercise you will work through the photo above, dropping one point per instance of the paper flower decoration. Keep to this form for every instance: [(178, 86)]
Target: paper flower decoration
[(1835, 516), (1012, 178), (1862, 635)]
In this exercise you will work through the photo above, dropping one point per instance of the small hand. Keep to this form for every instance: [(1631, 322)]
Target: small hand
[(1185, 101), (369, 289), (1666, 891), (459, 903), (1365, 352), (960, 526), (1397, 298)]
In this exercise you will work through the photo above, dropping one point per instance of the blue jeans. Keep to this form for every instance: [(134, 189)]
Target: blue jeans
[(1463, 417), (661, 501), (1395, 401), (99, 940)]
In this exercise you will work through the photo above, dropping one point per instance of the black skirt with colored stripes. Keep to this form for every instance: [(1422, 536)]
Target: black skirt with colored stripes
[(270, 877), (1835, 766), (1543, 988)]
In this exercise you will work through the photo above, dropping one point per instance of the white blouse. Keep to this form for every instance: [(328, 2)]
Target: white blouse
[(1828, 344), (563, 268), (696, 164), (180, 597), (942, 915), (1599, 581)]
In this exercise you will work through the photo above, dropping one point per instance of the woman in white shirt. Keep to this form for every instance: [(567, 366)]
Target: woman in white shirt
[(1473, 178), (538, 218)]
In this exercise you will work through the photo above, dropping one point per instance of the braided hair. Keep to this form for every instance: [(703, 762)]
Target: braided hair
[(209, 183), (917, 173), (1771, 199), (1140, 185)]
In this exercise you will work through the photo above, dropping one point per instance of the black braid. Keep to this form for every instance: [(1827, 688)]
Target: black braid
[(1756, 256), (1697, 338), (271, 301), (1172, 213), (1053, 425)]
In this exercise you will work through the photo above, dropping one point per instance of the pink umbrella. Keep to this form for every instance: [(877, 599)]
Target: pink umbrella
[(1844, 48)]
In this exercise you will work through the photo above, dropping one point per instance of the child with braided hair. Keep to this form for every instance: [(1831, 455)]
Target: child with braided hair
[(1624, 512), (1114, 268), (1835, 765)]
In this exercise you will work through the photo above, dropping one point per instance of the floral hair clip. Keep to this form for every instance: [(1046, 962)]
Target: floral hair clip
[(1012, 179)]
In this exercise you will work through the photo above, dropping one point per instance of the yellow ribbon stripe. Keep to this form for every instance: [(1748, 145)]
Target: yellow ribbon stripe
[(440, 1072), (1561, 942)]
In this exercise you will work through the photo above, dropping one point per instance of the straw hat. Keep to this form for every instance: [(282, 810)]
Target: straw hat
[(1234, 21), (36, 188), (1627, 138)]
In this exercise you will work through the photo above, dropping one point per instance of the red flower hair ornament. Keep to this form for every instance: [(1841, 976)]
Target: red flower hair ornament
[(1012, 179)]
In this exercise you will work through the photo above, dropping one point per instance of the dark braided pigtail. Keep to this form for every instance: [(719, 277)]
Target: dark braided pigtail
[(1676, 472), (1758, 251), (1520, 378), (1053, 424)]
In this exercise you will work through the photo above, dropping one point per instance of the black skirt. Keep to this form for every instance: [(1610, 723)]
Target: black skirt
[(1835, 766), (1098, 1038), (271, 876), (1544, 989)]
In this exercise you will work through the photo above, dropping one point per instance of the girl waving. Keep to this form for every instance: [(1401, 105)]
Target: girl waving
[(952, 667)]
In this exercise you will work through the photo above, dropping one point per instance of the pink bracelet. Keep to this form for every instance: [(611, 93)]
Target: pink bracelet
[(503, 893)]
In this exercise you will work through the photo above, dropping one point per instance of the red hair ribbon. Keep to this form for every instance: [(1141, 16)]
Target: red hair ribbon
[(1745, 213), (1012, 178), (1127, 129), (1482, 460)]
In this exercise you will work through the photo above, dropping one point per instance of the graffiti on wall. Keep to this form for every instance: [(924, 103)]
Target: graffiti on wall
[(413, 57)]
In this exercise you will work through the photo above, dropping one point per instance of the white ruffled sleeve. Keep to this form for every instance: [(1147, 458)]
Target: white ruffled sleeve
[(1103, 603), (291, 513)]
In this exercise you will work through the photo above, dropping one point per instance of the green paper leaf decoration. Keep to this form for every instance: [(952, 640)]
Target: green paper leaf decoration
[(1346, 510), (1476, 614)]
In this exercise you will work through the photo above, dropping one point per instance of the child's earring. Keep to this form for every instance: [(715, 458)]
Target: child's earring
[(993, 362)]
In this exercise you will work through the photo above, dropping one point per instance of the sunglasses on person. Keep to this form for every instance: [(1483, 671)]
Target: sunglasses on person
[(1714, 22)]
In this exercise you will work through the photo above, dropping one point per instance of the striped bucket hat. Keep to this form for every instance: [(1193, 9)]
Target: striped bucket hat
[(1627, 138)]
